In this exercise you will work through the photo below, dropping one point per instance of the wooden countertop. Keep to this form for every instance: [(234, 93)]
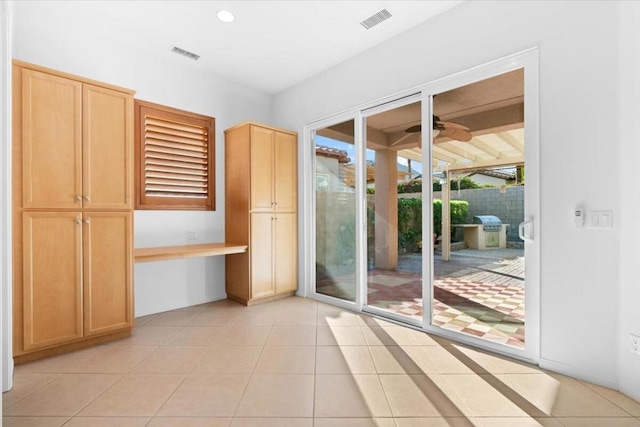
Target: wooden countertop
[(162, 253)]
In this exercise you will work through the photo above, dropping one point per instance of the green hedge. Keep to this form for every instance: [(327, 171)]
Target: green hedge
[(459, 213), (409, 223), (410, 220)]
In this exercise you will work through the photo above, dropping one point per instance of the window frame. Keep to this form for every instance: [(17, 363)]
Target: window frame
[(144, 202)]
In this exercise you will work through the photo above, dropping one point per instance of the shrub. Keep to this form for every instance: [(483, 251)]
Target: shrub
[(410, 220), (459, 213)]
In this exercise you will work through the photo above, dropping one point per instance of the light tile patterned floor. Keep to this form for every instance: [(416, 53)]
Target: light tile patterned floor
[(486, 309), (297, 362)]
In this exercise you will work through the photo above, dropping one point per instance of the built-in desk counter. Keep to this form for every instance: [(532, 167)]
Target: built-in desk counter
[(163, 253)]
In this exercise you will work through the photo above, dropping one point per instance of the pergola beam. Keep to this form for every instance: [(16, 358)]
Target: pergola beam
[(483, 146), (493, 121), (455, 149), (411, 154), (484, 164), (439, 154), (513, 142)]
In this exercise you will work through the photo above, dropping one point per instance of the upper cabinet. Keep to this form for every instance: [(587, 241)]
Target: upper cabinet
[(51, 141), (273, 170), (76, 142), (107, 150), (285, 172)]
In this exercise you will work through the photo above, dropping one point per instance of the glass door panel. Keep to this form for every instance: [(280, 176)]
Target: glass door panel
[(394, 213), (335, 210), (478, 203)]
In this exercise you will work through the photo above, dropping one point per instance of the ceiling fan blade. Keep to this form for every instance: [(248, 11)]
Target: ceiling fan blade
[(457, 134), (451, 125)]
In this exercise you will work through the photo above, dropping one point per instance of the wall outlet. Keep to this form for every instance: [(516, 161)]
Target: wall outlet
[(192, 235), (635, 344)]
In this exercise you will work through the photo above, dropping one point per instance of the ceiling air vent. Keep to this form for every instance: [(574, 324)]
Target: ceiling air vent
[(375, 19), (186, 53)]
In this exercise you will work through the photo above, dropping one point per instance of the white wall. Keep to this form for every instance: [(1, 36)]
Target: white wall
[(629, 112), (170, 80), (579, 150)]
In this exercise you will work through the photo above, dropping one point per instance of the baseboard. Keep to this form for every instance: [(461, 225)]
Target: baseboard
[(66, 348), (217, 297), (580, 374), (632, 393)]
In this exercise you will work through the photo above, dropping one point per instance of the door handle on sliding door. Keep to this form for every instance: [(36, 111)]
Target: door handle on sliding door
[(525, 230)]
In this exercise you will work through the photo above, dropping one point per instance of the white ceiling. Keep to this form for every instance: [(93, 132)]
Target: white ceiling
[(271, 46)]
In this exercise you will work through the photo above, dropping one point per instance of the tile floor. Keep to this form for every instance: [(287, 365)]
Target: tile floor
[(297, 362), (485, 309), (477, 293)]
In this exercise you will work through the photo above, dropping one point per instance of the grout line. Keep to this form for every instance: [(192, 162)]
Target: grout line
[(34, 390), (244, 391), (586, 384), (101, 394)]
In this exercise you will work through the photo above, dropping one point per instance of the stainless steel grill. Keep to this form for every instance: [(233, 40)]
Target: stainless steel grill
[(489, 222)]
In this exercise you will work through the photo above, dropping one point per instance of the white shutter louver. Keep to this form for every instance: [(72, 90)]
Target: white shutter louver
[(176, 159)]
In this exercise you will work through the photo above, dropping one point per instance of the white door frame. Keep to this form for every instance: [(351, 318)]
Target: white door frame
[(309, 209), (6, 336), (529, 61)]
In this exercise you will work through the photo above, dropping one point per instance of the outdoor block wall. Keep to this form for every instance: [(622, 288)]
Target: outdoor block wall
[(509, 206)]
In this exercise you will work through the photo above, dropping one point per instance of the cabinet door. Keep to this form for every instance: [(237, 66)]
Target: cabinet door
[(52, 278), (286, 172), (285, 253), (261, 169), (261, 248), (107, 149), (51, 141), (107, 272)]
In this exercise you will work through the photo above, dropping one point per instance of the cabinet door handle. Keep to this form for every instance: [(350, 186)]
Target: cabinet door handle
[(78, 221), (86, 221), (86, 198), (78, 198)]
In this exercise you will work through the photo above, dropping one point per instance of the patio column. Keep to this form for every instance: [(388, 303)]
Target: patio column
[(446, 218), (386, 209)]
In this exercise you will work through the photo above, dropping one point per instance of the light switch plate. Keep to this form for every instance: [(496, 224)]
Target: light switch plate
[(600, 219)]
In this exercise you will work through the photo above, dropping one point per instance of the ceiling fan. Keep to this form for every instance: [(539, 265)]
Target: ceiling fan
[(447, 129)]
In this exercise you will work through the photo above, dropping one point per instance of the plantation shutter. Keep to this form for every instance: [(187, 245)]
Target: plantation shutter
[(175, 158)]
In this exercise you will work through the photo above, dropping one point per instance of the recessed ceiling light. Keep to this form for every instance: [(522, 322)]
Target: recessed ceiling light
[(226, 16)]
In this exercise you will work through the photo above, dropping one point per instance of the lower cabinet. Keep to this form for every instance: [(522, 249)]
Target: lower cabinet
[(77, 276), (285, 253), (273, 249), (261, 248), (107, 274), (52, 285)]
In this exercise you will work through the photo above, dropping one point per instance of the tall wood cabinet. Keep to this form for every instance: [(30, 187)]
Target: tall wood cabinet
[(72, 211), (261, 212)]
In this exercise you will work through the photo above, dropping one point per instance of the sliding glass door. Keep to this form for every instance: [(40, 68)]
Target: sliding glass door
[(421, 212)]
